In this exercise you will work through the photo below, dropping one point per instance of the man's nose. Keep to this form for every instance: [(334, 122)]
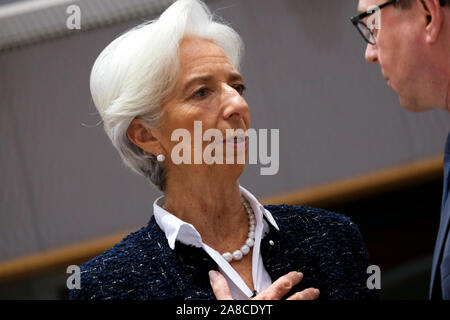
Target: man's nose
[(234, 104), (371, 53)]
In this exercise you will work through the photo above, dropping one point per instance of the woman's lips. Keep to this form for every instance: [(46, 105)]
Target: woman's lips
[(236, 141)]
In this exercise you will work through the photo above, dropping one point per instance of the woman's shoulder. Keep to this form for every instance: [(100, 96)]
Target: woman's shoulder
[(333, 242), (316, 222), (305, 215), (112, 274)]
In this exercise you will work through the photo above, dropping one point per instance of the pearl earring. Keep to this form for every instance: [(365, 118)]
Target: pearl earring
[(160, 158)]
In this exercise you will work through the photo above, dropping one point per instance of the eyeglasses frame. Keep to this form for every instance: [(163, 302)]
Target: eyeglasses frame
[(358, 19)]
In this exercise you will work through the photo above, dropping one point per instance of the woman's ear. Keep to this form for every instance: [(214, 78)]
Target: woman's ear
[(143, 137), (432, 12)]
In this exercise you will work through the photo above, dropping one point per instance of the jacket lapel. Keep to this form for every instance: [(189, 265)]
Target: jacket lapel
[(184, 270), (196, 264), (279, 249), (443, 230), (443, 226)]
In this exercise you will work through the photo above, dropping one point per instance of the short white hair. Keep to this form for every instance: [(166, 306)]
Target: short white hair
[(133, 75)]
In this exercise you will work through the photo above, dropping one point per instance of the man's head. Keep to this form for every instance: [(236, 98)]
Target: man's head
[(413, 49)]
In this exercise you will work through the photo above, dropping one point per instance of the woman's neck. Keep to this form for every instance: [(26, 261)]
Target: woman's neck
[(213, 206)]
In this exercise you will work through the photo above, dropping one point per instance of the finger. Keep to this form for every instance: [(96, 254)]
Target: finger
[(280, 287), (219, 285), (307, 294)]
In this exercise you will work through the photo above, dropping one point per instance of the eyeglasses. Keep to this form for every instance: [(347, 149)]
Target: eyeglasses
[(367, 33)]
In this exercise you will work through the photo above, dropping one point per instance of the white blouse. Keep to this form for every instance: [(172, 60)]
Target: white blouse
[(176, 229)]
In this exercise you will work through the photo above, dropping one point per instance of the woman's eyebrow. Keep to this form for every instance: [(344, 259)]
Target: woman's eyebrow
[(234, 76), (197, 78)]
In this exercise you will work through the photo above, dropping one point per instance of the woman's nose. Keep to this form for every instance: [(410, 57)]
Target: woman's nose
[(371, 53), (234, 104)]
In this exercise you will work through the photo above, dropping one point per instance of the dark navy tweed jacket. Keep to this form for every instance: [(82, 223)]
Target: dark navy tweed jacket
[(326, 247)]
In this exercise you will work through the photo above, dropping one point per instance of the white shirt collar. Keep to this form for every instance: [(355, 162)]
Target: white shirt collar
[(176, 229)]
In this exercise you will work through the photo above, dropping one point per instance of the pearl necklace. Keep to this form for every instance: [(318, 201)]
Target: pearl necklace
[(245, 249)]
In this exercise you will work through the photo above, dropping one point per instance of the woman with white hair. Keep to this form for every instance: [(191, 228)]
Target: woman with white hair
[(209, 237)]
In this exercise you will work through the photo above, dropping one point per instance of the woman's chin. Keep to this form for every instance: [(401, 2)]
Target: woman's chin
[(235, 169)]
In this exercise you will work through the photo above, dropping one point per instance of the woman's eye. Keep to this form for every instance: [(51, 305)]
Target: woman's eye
[(201, 93), (240, 88)]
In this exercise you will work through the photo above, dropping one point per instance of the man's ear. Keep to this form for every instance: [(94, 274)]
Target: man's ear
[(143, 137), (432, 13)]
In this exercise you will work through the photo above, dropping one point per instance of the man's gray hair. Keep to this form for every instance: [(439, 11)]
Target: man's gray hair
[(134, 74)]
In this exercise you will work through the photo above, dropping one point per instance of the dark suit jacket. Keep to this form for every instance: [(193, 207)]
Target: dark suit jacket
[(326, 247), (440, 271)]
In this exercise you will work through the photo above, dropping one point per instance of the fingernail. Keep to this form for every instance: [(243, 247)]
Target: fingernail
[(316, 291), (213, 275), (300, 274)]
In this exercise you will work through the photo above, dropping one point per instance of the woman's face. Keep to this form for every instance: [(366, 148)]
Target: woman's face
[(209, 89)]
